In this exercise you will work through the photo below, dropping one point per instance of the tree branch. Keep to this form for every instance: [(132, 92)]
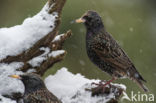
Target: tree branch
[(55, 6)]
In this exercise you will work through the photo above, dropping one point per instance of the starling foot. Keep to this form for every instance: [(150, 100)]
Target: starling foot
[(101, 85)]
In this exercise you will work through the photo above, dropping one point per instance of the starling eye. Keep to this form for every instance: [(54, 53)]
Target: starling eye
[(84, 17)]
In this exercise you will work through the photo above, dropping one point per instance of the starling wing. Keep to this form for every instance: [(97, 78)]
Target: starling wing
[(110, 52)]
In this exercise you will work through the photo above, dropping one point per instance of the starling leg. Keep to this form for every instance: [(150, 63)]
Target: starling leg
[(101, 85), (108, 82)]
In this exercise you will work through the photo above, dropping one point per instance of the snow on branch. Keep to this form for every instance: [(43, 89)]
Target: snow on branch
[(15, 40), (31, 47), (75, 88), (26, 42)]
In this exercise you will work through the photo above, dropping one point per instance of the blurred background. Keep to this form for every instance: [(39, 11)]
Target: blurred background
[(131, 22)]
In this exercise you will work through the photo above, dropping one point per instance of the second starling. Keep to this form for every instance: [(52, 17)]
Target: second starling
[(104, 51), (35, 89)]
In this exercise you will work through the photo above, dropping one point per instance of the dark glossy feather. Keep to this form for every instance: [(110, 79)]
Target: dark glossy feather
[(111, 53), (40, 96), (105, 52)]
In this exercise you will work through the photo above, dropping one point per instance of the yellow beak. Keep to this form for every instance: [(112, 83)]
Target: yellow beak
[(15, 76), (80, 20)]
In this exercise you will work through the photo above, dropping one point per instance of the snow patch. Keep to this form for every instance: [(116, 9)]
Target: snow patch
[(58, 37), (9, 85), (6, 100), (70, 88), (31, 70), (38, 60), (15, 40), (56, 53)]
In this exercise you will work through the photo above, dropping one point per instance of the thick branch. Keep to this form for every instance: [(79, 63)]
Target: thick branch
[(54, 46), (55, 6)]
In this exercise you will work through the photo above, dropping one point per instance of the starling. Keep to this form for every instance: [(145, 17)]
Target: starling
[(105, 52), (35, 89)]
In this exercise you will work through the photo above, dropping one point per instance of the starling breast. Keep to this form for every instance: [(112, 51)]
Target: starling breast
[(104, 51)]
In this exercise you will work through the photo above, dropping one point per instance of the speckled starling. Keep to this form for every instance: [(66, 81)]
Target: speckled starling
[(35, 89), (105, 52)]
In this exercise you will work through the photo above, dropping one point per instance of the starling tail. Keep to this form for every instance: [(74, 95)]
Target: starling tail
[(139, 80)]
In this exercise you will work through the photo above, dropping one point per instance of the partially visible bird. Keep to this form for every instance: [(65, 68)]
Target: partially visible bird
[(106, 53), (35, 89)]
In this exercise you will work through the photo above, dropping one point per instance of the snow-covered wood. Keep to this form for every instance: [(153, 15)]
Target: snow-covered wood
[(31, 47), (75, 88), (24, 43)]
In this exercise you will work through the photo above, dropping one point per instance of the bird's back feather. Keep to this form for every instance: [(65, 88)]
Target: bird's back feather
[(41, 96), (110, 52)]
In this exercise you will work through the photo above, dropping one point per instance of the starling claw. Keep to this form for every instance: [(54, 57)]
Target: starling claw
[(102, 85)]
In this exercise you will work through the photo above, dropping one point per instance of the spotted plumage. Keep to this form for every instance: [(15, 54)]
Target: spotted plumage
[(35, 90), (105, 52), (40, 96)]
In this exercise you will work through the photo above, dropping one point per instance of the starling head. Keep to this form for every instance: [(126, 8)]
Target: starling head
[(92, 20), (32, 82)]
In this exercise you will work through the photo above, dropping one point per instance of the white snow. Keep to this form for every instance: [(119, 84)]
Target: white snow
[(58, 37), (39, 59), (70, 88), (56, 53), (16, 39), (63, 82), (7, 84), (6, 100), (31, 70)]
